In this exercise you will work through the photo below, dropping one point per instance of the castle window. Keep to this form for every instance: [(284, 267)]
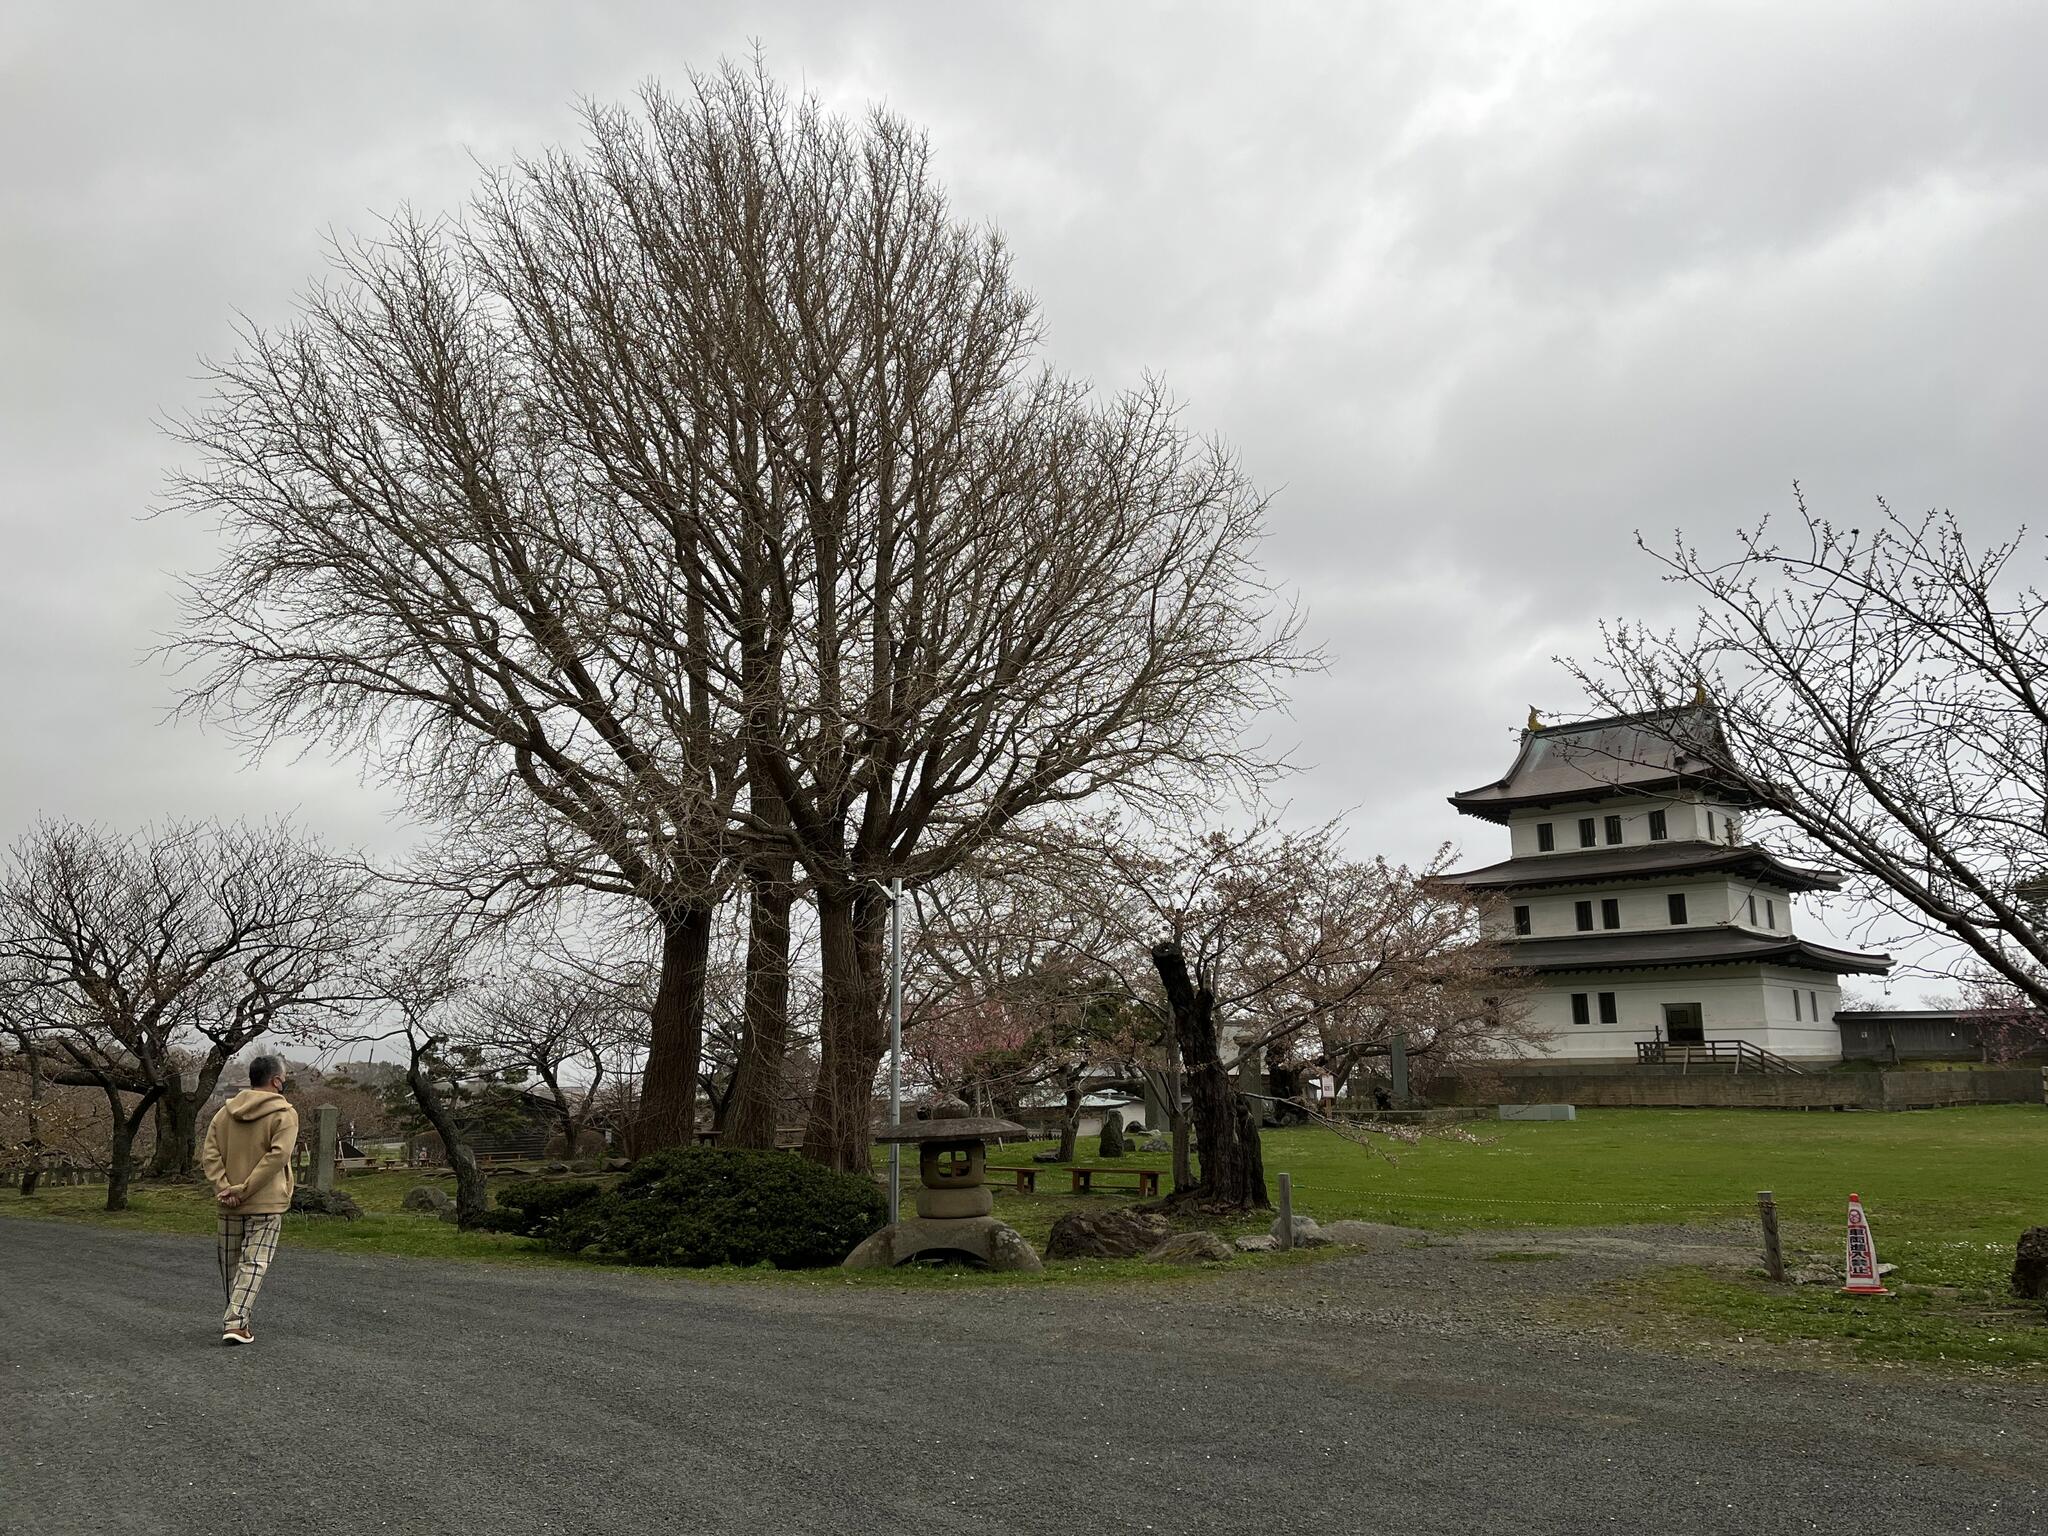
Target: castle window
[(1583, 911), (1796, 1014), (1610, 912), (1770, 914), (1521, 919), (1752, 909), (1609, 1014), (1587, 830), (1710, 826), (1813, 1004), (1676, 902), (1613, 829), (1658, 831), (1581, 1014), (1546, 837)]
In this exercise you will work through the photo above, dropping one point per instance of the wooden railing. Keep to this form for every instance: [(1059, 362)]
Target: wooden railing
[(1712, 1055)]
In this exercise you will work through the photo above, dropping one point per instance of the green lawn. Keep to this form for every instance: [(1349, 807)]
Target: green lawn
[(1948, 1192)]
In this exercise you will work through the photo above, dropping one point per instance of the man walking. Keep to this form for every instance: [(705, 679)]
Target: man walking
[(248, 1156)]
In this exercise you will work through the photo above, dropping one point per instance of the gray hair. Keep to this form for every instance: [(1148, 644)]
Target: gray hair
[(265, 1070)]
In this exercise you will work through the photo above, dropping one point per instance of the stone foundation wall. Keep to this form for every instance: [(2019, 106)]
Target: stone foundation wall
[(1668, 1089)]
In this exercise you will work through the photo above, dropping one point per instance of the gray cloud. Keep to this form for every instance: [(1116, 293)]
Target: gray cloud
[(1476, 291)]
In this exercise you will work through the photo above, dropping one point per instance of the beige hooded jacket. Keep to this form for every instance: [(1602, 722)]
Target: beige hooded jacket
[(249, 1150)]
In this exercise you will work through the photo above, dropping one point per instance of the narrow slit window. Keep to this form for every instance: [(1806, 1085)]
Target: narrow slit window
[(1770, 914), (1609, 1014), (1546, 837), (1658, 830), (1583, 911), (1813, 1005), (1752, 909), (1613, 830), (1676, 902), (1610, 912), (1797, 1016), (1587, 830), (1710, 826), (1581, 1014), (1521, 919)]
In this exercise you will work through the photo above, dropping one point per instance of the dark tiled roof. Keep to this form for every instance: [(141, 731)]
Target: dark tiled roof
[(1595, 864), (1596, 759), (1720, 945)]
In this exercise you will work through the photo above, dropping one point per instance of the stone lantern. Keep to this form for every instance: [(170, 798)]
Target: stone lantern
[(954, 1202)]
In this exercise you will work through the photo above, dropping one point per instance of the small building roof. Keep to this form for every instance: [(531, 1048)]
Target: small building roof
[(1722, 944), (1662, 750), (1594, 865)]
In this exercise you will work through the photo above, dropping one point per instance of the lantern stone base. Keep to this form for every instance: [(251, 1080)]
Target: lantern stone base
[(982, 1238)]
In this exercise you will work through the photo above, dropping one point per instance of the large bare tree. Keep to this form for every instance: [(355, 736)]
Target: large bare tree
[(126, 951), (1883, 690), (703, 494)]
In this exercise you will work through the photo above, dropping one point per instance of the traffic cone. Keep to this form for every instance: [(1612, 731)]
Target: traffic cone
[(1860, 1274)]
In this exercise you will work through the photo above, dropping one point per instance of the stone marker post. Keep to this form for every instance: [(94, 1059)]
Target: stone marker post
[(1767, 1213), (1397, 1067), (323, 1148), (1286, 1210)]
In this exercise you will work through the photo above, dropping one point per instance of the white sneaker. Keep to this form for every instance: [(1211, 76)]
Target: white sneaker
[(237, 1336)]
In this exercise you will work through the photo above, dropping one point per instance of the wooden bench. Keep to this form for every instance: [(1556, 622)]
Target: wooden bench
[(787, 1138), (1148, 1178), (1083, 1178)]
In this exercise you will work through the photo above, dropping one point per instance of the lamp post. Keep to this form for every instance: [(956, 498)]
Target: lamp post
[(895, 1045)]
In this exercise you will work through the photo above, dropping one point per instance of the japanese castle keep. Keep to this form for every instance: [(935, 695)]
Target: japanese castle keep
[(1654, 933)]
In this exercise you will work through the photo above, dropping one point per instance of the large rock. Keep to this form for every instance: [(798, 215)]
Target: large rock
[(427, 1197), (307, 1201), (1262, 1242), (1191, 1248), (1156, 1144), (1120, 1232), (1306, 1233), (2030, 1265), (1112, 1142)]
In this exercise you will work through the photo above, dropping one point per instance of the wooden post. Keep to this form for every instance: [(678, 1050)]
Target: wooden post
[(1767, 1213), (1286, 1210)]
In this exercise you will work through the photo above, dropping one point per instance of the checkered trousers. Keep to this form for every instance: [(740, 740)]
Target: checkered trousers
[(247, 1244)]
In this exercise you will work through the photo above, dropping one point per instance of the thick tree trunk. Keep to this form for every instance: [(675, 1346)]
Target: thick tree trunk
[(121, 1148), (667, 1114), (1226, 1134), (176, 1155), (472, 1197), (756, 1097), (854, 1033), (1070, 1123)]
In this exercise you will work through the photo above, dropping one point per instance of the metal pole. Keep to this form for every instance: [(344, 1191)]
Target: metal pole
[(895, 1045)]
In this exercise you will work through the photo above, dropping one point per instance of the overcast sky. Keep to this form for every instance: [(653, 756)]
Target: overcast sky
[(1477, 292)]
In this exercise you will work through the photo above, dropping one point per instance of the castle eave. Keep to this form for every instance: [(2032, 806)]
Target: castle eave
[(1721, 945)]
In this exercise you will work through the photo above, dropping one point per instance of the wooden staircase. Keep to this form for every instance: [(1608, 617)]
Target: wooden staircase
[(1733, 1056)]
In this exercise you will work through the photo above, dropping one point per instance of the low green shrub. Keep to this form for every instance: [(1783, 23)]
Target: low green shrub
[(697, 1206), (534, 1207)]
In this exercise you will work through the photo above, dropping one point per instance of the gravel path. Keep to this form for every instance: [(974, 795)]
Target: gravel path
[(1411, 1390)]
